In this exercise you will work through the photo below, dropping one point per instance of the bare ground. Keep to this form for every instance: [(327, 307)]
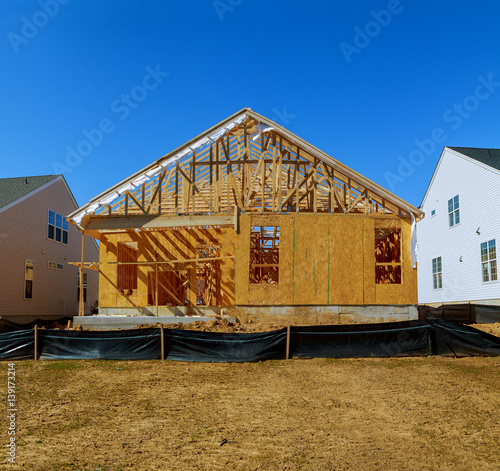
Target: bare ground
[(357, 414)]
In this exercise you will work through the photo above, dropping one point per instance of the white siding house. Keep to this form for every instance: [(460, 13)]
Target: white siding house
[(459, 237)]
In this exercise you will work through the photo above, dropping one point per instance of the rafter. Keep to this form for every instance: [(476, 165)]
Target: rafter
[(250, 167)]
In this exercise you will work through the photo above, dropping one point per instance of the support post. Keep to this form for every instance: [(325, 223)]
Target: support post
[(162, 344), (156, 288), (36, 342), (288, 341), (81, 304)]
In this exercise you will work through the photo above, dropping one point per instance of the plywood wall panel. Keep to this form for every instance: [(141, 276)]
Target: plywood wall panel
[(311, 268), (369, 293), (346, 260)]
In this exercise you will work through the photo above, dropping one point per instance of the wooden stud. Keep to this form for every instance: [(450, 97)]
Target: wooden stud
[(177, 188), (211, 177), (217, 178), (280, 176), (156, 288), (193, 179), (81, 307)]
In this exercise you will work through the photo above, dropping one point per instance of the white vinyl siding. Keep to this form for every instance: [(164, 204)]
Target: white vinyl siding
[(478, 188)]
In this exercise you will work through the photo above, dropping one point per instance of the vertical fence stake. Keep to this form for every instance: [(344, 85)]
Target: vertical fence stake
[(162, 345), (288, 341), (36, 342)]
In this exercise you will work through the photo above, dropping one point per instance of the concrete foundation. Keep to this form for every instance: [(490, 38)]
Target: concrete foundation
[(296, 315), (311, 315), (163, 311), (130, 322)]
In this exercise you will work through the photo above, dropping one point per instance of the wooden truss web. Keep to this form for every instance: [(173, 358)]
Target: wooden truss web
[(250, 168)]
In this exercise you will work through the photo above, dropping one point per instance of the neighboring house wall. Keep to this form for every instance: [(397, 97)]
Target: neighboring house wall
[(23, 235), (478, 187)]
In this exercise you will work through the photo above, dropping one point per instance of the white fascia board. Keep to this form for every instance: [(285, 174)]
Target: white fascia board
[(164, 161), (433, 176)]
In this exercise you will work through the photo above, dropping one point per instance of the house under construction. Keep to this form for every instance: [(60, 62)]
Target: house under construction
[(249, 218)]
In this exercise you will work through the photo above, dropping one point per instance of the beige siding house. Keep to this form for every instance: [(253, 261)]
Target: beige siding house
[(36, 246)]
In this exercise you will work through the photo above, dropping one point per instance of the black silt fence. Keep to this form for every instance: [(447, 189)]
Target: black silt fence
[(410, 338)]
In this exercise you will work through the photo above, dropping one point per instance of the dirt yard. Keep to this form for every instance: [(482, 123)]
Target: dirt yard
[(362, 414)]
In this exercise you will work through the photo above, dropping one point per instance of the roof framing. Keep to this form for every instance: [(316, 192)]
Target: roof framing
[(245, 164)]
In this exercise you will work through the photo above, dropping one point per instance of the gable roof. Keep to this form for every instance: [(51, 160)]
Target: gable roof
[(12, 189), (489, 157), (245, 140)]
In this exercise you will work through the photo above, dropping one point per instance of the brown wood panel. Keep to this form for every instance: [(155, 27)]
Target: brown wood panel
[(346, 259), (242, 261), (311, 269), (369, 294)]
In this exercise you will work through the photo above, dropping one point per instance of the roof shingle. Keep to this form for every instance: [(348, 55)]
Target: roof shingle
[(11, 189), (489, 157)]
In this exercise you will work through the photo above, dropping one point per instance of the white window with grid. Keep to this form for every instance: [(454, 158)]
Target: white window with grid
[(453, 211), (489, 261), (437, 273)]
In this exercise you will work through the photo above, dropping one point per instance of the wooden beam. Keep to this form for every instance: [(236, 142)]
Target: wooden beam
[(155, 221), (136, 201), (182, 260), (155, 194)]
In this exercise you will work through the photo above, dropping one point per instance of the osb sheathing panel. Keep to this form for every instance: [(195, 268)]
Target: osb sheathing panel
[(347, 259), (369, 294), (406, 292), (242, 261), (311, 259), (107, 273), (324, 259), (165, 245)]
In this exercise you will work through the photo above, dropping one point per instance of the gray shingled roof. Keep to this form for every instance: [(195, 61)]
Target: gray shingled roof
[(11, 189), (489, 157)]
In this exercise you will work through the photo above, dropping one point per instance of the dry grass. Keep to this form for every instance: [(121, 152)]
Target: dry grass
[(356, 414)]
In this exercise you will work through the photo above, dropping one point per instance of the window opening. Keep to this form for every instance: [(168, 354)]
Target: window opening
[(127, 266), (437, 273), (264, 254), (489, 261), (28, 279), (84, 287), (453, 211), (387, 256)]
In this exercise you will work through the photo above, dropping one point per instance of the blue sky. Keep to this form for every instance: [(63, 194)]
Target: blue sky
[(380, 85)]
